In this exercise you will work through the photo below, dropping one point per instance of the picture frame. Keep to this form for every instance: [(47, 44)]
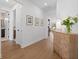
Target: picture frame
[(41, 22), (29, 20), (36, 21)]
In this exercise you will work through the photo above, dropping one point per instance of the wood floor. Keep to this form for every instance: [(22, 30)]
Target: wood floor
[(39, 50)]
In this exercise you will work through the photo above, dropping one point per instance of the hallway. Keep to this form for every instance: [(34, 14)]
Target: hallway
[(39, 50)]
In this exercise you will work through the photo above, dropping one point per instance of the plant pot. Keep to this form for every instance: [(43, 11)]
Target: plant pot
[(68, 29)]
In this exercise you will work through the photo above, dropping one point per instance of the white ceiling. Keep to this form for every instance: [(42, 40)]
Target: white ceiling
[(51, 4), (6, 5)]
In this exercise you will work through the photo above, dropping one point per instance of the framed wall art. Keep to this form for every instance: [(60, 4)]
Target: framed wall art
[(36, 21), (29, 20), (41, 22)]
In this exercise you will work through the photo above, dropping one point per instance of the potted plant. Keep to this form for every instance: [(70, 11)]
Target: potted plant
[(68, 22)]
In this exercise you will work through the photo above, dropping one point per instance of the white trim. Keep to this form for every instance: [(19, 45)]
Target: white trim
[(4, 39), (30, 43), (4, 9)]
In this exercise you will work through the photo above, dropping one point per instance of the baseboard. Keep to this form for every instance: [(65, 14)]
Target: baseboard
[(4, 40), (30, 43), (17, 43)]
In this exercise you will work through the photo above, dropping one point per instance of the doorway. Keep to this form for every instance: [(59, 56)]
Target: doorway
[(6, 30), (4, 25), (48, 27), (14, 24)]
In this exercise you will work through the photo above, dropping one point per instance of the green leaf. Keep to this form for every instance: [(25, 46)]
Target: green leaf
[(75, 19), (71, 23)]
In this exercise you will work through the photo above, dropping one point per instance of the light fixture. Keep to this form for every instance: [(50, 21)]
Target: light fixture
[(7, 0), (45, 4)]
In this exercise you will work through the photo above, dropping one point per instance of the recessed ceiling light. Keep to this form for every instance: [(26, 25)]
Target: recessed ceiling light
[(45, 4), (7, 0)]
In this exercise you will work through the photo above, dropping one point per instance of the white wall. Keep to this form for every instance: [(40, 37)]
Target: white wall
[(11, 25), (67, 8), (18, 23), (51, 14), (30, 33)]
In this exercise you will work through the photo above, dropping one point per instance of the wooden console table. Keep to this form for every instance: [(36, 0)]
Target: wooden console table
[(66, 45)]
